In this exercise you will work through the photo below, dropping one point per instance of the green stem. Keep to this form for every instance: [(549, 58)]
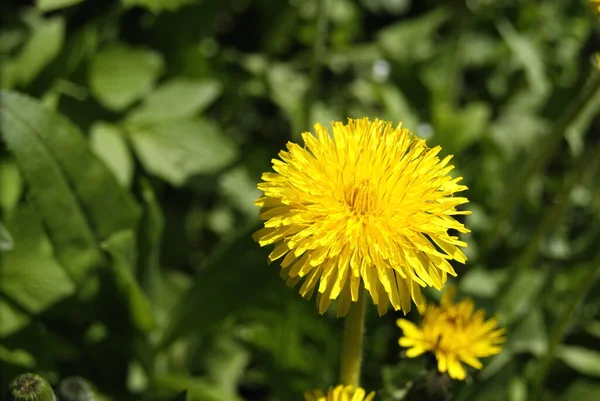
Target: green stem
[(539, 159), (354, 328), (560, 329), (317, 61)]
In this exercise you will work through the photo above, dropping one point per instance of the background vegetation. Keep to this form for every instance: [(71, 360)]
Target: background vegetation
[(128, 172)]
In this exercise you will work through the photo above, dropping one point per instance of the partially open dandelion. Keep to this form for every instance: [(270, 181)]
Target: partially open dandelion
[(455, 333), (340, 393), (369, 206)]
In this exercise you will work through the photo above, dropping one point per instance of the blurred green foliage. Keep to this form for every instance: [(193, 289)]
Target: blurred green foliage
[(133, 133)]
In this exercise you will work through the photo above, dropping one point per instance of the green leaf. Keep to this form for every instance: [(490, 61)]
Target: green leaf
[(157, 6), (121, 75), (122, 249), (456, 129), (198, 389), (528, 55), (50, 5), (531, 335), (412, 39), (44, 44), (12, 319), (6, 240), (520, 297), (288, 90), (480, 282), (237, 186), (176, 150), (498, 387), (17, 357), (234, 275), (177, 98), (397, 106), (81, 44), (108, 207), (150, 241), (181, 396), (583, 360), (226, 362), (29, 274), (581, 390), (11, 185), (79, 200), (576, 131), (517, 390), (398, 379), (108, 143), (593, 328)]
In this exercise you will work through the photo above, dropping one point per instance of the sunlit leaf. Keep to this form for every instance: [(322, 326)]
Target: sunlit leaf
[(44, 44), (121, 75), (65, 179), (11, 185), (158, 5), (6, 241), (583, 360), (17, 357), (176, 98), (527, 54), (176, 150), (49, 5), (122, 249), (12, 319), (523, 292), (108, 143), (413, 39), (29, 274)]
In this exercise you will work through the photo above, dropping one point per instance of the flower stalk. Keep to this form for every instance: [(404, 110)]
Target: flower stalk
[(354, 328)]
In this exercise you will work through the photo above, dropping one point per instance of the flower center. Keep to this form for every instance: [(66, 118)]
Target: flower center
[(361, 198)]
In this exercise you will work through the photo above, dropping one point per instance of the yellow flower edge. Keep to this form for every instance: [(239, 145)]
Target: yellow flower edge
[(367, 205), (340, 393), (454, 333)]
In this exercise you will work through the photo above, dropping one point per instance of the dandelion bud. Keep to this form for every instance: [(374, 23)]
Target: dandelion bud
[(30, 387)]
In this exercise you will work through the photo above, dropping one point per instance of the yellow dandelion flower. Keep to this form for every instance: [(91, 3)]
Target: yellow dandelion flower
[(369, 206), (340, 393), (455, 333), (595, 6)]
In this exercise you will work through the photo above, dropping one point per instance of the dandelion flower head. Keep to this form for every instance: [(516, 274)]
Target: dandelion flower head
[(340, 393), (368, 206), (455, 333)]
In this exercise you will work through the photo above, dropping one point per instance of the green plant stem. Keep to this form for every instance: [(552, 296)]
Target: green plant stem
[(318, 55), (538, 160), (354, 328), (560, 329), (587, 163)]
